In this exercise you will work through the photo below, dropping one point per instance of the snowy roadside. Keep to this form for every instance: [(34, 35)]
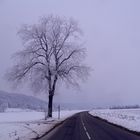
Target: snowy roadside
[(127, 118), (27, 125)]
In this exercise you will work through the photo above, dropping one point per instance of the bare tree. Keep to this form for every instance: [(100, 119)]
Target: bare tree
[(52, 54)]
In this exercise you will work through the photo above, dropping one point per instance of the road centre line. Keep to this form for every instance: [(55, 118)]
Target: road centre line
[(88, 136), (85, 130)]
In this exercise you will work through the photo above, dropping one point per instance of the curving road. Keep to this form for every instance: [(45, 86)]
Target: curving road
[(84, 126)]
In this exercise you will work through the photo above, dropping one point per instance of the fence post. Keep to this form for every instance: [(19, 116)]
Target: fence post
[(58, 111)]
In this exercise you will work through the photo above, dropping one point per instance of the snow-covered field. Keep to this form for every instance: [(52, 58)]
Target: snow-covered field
[(25, 124), (128, 118)]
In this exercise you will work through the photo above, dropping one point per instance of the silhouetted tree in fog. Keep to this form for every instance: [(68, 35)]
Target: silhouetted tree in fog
[(52, 53)]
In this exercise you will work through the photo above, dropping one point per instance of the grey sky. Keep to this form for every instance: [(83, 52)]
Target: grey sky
[(112, 35)]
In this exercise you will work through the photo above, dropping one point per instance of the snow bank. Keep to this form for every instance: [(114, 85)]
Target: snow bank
[(128, 118), (25, 125), (20, 116)]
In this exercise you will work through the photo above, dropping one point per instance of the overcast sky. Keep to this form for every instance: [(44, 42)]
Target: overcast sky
[(112, 35)]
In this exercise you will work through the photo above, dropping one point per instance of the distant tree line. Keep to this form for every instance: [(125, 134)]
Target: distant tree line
[(125, 107)]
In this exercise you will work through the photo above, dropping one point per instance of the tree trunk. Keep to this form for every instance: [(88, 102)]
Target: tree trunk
[(50, 103), (51, 94)]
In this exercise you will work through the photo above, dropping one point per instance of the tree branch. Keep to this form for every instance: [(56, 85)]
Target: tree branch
[(68, 57)]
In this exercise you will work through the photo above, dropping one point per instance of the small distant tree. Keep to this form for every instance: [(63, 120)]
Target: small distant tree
[(52, 54), (3, 106)]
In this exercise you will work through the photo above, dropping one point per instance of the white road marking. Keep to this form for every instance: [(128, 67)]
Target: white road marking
[(85, 130), (88, 136)]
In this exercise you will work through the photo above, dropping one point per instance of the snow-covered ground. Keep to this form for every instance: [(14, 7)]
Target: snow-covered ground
[(128, 118), (25, 124)]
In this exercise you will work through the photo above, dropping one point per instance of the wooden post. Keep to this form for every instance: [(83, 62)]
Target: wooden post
[(58, 111)]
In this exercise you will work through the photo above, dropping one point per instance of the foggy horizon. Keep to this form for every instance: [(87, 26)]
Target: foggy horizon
[(111, 36)]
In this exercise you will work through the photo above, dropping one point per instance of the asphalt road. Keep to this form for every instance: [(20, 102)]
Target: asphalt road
[(83, 126)]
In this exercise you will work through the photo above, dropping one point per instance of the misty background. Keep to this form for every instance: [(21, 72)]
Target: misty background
[(111, 37)]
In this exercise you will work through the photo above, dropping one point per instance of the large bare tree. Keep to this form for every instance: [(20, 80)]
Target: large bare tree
[(52, 54)]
